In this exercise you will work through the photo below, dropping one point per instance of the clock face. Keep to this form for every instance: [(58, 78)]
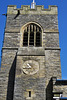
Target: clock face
[(30, 67)]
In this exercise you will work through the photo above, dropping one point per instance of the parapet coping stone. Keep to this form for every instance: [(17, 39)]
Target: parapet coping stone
[(25, 9)]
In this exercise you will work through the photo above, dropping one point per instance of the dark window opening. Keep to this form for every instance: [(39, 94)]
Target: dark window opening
[(36, 28), (30, 28), (31, 42), (40, 29), (25, 39), (38, 39), (27, 29), (33, 28), (29, 93)]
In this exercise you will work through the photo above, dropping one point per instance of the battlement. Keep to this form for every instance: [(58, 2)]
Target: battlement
[(25, 9)]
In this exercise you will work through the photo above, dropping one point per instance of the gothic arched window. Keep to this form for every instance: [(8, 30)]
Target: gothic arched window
[(32, 35)]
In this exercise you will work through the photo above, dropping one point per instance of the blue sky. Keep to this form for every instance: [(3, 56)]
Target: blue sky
[(62, 21)]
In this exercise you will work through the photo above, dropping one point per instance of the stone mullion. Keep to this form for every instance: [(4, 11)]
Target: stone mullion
[(31, 28), (37, 29), (26, 29)]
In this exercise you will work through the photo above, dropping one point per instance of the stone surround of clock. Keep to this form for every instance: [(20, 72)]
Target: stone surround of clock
[(30, 67)]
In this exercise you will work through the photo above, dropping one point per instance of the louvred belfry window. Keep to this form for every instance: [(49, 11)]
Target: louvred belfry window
[(32, 36)]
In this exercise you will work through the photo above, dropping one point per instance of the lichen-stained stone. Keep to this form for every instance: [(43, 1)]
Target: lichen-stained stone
[(7, 73), (26, 72)]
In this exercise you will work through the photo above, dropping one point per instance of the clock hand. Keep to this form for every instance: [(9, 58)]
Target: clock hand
[(28, 65)]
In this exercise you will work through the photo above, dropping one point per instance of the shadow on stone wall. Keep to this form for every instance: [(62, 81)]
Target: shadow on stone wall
[(10, 89), (49, 89)]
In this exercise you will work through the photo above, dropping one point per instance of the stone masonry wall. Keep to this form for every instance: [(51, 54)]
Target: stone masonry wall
[(16, 18), (7, 73), (48, 22), (11, 39), (53, 69), (52, 64), (34, 83), (51, 39), (48, 56)]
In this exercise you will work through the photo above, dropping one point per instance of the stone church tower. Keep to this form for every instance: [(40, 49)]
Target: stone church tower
[(30, 53)]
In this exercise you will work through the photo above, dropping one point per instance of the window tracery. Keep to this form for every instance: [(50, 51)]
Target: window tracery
[(32, 35)]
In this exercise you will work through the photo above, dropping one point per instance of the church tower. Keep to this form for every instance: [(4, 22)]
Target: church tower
[(30, 54)]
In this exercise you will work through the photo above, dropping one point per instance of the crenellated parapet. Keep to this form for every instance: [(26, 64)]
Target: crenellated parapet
[(25, 9)]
